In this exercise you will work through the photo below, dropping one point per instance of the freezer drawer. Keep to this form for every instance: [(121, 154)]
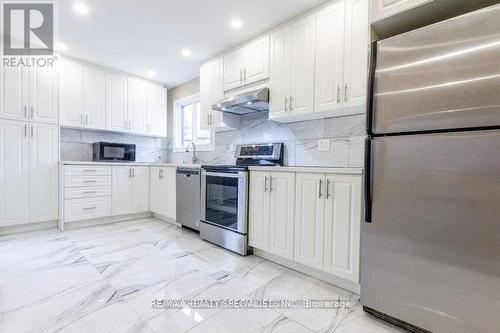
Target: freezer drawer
[(431, 255), (443, 76)]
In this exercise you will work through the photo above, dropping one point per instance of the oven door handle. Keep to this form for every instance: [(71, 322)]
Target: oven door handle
[(223, 174)]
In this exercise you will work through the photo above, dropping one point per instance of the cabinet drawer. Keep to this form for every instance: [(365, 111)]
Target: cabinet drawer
[(85, 181), (88, 208), (87, 170), (86, 192)]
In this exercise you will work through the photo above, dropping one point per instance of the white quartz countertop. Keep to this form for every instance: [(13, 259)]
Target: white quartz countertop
[(174, 165), (351, 171)]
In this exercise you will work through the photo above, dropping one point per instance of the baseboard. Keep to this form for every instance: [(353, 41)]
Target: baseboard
[(339, 282), (105, 220), (166, 219), (16, 229)]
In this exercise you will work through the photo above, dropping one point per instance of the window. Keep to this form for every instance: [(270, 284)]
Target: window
[(188, 125)]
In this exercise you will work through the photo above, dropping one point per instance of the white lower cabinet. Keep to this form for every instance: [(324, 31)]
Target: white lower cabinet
[(28, 172), (271, 217), (130, 190), (163, 192), (311, 218)]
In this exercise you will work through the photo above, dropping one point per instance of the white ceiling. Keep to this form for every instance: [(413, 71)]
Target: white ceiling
[(140, 35)]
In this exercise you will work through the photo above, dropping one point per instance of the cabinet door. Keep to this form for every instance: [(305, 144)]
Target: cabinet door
[(156, 100), (256, 61), (282, 213), (302, 66), (280, 72), (329, 78), (44, 175), (95, 98), (356, 52), (156, 185), (169, 200), (233, 69), (14, 172), (71, 93), (205, 96), (384, 8), (309, 219), (44, 95), (140, 190), (14, 93), (122, 179), (258, 212), (137, 105), (342, 226), (116, 102), (216, 91)]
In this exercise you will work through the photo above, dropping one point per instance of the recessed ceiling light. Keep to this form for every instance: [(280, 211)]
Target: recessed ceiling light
[(81, 8), (61, 47), (151, 73), (236, 23), (186, 53)]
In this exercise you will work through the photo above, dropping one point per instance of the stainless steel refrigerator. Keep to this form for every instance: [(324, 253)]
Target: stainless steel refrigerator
[(431, 240)]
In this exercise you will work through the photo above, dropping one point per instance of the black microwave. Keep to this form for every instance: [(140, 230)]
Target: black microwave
[(113, 152)]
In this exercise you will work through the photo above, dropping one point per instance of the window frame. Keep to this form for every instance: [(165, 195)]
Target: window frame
[(178, 105)]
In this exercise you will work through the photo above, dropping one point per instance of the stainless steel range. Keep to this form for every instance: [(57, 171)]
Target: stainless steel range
[(224, 195)]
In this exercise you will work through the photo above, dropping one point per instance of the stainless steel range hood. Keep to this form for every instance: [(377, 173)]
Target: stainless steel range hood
[(248, 102)]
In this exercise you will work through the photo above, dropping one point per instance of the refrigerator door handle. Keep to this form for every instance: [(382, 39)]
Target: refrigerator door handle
[(368, 180), (370, 88)]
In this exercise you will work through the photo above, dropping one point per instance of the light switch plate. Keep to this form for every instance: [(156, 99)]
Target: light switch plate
[(323, 144)]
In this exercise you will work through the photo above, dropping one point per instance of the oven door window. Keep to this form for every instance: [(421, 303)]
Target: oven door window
[(221, 205)]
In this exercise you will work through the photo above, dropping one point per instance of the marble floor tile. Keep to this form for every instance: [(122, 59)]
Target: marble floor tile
[(105, 278)]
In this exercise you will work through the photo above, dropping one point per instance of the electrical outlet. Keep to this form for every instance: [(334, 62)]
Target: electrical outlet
[(323, 144)]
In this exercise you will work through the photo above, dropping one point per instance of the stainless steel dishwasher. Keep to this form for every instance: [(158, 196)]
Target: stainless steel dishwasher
[(188, 197)]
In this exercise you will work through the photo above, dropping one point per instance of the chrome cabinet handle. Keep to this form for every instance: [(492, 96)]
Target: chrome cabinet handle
[(25, 111), (241, 75), (26, 130), (89, 170), (244, 74), (160, 173), (133, 173), (265, 184), (31, 111), (89, 181), (290, 103), (32, 134), (129, 172), (86, 119), (328, 188), (89, 192), (89, 208), (286, 101), (81, 119), (270, 184), (346, 98), (339, 93), (320, 186)]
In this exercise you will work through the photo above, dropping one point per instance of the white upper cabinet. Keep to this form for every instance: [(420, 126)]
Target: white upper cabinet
[(116, 102), (292, 69), (382, 9), (280, 72), (71, 100), (329, 57), (356, 52), (342, 57), (302, 66), (247, 64), (211, 91), (137, 105), (95, 98), (29, 94), (44, 95), (156, 106)]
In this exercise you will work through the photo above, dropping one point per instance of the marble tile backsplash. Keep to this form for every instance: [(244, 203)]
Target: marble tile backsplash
[(345, 134), (76, 145)]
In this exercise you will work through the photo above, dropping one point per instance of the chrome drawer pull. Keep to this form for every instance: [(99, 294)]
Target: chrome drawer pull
[(89, 208)]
